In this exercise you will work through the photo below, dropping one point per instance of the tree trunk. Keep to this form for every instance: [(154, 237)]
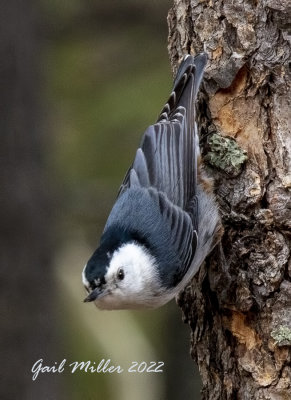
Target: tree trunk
[(25, 254), (239, 305)]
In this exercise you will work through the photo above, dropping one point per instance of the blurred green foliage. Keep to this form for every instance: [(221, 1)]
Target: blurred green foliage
[(109, 84)]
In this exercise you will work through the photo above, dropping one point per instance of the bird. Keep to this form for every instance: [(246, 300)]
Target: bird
[(165, 219)]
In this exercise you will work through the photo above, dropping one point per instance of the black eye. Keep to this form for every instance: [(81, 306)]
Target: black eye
[(120, 274)]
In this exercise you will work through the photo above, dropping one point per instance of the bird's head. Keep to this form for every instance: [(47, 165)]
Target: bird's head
[(121, 278)]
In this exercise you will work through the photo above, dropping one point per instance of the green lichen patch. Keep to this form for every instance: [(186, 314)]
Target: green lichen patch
[(282, 335), (225, 154)]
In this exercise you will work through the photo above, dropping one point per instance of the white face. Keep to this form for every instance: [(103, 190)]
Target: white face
[(131, 280)]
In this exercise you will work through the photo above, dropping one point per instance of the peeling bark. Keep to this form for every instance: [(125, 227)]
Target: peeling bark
[(239, 306)]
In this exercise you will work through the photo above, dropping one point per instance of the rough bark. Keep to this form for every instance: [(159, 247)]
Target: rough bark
[(239, 307), (25, 254)]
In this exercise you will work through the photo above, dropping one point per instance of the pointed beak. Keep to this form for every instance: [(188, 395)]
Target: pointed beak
[(91, 297), (95, 294)]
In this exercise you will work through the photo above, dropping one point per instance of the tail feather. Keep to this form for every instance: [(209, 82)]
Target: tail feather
[(199, 62), (186, 85)]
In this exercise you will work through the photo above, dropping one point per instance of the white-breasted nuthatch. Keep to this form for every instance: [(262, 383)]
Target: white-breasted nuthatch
[(165, 220)]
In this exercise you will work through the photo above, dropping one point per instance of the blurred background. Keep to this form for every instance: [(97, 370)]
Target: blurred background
[(80, 82)]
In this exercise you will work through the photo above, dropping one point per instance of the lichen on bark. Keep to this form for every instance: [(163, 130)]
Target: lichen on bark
[(239, 305), (225, 154)]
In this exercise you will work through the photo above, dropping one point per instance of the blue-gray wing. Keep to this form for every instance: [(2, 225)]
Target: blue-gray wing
[(166, 162), (167, 157), (183, 238), (168, 154)]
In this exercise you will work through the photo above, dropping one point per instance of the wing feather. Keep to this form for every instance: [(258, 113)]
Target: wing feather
[(166, 162), (183, 237)]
